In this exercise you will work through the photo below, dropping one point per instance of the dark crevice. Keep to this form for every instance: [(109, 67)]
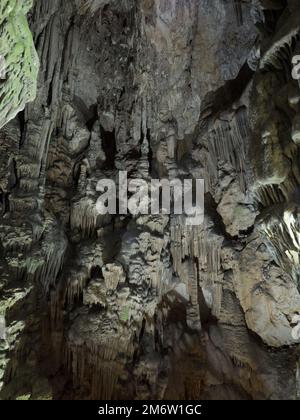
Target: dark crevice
[(50, 91), (96, 272), (247, 232), (109, 148), (23, 127), (271, 19), (150, 154), (92, 117), (4, 201), (222, 99)]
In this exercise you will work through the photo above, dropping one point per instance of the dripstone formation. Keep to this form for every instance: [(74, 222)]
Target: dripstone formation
[(145, 306)]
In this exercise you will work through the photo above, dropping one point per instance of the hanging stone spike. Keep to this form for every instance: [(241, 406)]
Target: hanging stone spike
[(238, 12)]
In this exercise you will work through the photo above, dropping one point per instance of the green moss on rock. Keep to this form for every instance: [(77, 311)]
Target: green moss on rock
[(21, 62)]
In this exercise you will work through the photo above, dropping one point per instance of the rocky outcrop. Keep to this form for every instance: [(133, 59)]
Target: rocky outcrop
[(145, 306)]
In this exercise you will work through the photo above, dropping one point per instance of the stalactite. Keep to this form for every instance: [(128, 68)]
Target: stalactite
[(22, 204), (196, 253), (97, 364), (238, 9), (268, 195), (282, 232), (193, 309), (227, 144), (113, 275), (56, 312), (278, 55), (75, 284), (196, 242), (53, 264), (84, 216)]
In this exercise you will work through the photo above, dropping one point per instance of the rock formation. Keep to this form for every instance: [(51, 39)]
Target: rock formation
[(145, 306), (18, 59)]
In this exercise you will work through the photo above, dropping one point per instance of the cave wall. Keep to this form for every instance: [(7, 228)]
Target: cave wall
[(145, 307)]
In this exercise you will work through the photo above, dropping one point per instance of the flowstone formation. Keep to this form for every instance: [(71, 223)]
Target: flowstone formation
[(18, 58), (144, 306)]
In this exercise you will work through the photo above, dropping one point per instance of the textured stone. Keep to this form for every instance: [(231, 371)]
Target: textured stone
[(18, 57), (143, 306)]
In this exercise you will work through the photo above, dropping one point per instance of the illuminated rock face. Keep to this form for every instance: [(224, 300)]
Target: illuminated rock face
[(19, 61), (142, 306), (274, 113)]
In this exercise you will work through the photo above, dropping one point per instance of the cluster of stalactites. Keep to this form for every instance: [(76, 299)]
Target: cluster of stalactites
[(283, 233), (96, 365), (196, 253), (227, 143), (199, 245)]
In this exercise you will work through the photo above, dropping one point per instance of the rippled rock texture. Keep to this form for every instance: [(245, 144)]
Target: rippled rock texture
[(18, 59), (143, 307)]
